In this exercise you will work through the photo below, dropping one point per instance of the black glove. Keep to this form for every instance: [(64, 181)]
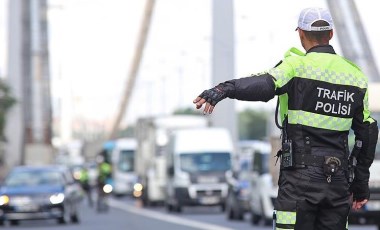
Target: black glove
[(360, 190), (214, 95)]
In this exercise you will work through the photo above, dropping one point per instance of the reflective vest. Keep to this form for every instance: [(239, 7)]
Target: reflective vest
[(322, 95)]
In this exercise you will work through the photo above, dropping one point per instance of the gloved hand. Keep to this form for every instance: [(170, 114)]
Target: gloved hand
[(360, 190), (214, 95), (211, 97)]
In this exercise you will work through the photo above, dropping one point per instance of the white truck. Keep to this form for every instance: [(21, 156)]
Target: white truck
[(197, 162), (152, 135), (123, 170)]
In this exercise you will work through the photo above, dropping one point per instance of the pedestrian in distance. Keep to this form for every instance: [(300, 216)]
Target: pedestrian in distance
[(321, 96)]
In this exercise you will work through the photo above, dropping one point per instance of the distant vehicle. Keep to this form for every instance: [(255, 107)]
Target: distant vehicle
[(123, 170), (239, 181), (238, 197), (197, 162), (263, 191), (39, 192), (370, 212), (152, 134)]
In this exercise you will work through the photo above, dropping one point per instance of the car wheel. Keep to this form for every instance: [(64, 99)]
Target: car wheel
[(14, 222), (178, 208), (255, 219), (169, 207), (65, 216), (75, 217), (223, 207), (240, 215), (229, 212)]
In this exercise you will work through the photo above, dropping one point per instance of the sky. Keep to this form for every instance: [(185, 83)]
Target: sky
[(92, 43)]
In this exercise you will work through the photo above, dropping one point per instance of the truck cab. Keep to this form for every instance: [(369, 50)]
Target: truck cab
[(197, 162)]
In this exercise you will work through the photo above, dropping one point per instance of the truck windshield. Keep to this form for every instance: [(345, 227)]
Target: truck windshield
[(205, 162), (126, 161)]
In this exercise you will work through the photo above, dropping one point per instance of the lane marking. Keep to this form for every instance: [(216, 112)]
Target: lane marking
[(164, 217)]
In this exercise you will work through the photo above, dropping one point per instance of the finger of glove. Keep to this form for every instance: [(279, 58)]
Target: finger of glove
[(200, 103), (197, 99), (207, 108), (211, 109)]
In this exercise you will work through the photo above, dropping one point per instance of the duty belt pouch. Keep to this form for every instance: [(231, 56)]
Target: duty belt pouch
[(331, 166), (287, 158)]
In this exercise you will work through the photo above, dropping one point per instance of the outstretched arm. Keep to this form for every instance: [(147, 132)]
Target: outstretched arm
[(253, 88)]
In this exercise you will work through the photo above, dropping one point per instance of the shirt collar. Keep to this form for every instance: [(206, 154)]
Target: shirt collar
[(322, 49)]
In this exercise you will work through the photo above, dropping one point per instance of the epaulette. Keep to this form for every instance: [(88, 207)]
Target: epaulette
[(295, 51)]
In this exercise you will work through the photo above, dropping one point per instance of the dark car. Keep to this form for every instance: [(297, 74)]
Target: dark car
[(238, 198), (39, 192)]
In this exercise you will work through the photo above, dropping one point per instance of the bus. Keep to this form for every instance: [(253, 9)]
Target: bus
[(123, 170)]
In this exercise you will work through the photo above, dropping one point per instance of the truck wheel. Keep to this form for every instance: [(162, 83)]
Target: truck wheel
[(223, 207), (255, 219), (229, 212), (178, 208), (169, 207)]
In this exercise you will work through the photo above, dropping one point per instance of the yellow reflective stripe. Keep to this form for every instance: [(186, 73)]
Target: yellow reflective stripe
[(319, 121), (283, 76), (283, 217), (330, 76)]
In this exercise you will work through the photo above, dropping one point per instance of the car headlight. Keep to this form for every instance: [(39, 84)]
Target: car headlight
[(57, 198), (107, 188), (4, 199)]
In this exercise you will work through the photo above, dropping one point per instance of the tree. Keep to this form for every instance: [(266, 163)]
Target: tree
[(186, 111), (6, 102), (252, 124)]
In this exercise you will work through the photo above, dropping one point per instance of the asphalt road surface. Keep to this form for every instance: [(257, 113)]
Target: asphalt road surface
[(127, 214)]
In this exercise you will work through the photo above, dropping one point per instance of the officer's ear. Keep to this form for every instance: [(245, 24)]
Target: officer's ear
[(331, 34)]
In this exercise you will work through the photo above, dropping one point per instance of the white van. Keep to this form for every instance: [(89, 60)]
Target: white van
[(263, 189), (197, 161), (123, 171)]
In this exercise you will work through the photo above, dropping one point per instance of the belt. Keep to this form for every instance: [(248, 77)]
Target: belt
[(318, 161)]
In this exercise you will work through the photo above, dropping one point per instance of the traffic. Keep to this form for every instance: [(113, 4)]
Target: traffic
[(162, 173)]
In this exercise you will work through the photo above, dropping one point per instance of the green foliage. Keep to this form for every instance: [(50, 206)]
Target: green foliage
[(186, 111), (252, 124), (128, 132), (6, 102)]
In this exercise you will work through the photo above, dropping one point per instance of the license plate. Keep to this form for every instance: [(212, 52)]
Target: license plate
[(373, 205), (28, 208), (209, 200)]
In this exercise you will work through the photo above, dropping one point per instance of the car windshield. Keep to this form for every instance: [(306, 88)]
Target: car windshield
[(205, 162), (34, 178), (126, 161)]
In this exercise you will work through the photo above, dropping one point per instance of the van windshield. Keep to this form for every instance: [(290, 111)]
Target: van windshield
[(205, 162), (126, 161)]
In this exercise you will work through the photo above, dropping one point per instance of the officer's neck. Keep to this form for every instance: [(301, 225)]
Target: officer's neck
[(310, 44)]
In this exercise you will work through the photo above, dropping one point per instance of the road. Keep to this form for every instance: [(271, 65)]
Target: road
[(126, 214)]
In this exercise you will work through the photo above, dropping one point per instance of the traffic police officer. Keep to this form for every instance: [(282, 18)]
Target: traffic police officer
[(321, 97)]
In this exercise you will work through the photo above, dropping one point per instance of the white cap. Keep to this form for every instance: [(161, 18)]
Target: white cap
[(310, 15)]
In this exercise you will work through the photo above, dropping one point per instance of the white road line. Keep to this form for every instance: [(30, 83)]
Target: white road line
[(164, 217)]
